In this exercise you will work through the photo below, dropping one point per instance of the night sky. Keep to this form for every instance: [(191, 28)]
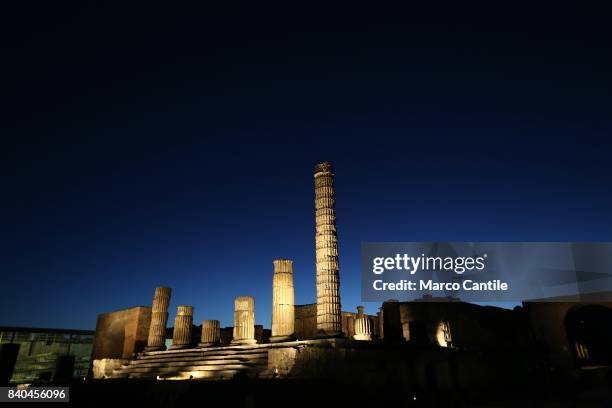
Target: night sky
[(165, 145)]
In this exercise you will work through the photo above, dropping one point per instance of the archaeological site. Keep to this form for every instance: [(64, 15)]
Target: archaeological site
[(432, 352)]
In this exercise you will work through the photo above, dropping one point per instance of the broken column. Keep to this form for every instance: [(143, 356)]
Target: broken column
[(244, 320), (329, 314), (363, 326), (183, 326), (159, 319), (211, 333), (283, 301)]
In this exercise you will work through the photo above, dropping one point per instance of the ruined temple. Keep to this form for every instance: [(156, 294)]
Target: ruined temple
[(440, 344)]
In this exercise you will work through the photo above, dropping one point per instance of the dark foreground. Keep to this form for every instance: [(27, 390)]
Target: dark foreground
[(592, 391)]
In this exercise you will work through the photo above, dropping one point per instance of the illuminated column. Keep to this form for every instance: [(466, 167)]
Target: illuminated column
[(329, 314), (211, 333), (244, 320), (283, 301), (159, 318), (183, 324), (363, 326)]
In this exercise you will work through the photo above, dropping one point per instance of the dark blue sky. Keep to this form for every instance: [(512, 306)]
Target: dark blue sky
[(173, 146)]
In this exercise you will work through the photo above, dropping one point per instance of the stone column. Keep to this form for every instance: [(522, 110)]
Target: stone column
[(183, 326), (363, 326), (329, 313), (350, 326), (283, 301), (381, 323), (159, 318), (244, 320), (211, 333)]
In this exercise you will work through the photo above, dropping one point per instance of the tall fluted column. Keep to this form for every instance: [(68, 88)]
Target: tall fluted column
[(244, 320), (183, 326), (159, 318), (211, 333), (363, 326), (329, 314), (283, 301)]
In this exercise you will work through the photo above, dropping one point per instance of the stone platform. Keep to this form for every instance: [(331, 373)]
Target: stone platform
[(215, 363), (220, 363), (378, 369)]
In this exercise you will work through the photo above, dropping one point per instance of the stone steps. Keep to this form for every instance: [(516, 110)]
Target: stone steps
[(217, 356), (215, 363), (208, 351), (204, 356), (195, 367), (201, 363), (195, 361), (184, 375)]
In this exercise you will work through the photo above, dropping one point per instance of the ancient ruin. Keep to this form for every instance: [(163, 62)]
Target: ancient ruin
[(211, 333), (183, 326), (429, 344), (329, 314), (283, 301), (380, 321), (318, 325), (363, 326), (244, 320), (159, 318)]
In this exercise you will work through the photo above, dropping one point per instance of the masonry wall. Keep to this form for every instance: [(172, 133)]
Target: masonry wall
[(471, 327), (548, 324), (122, 333), (404, 368), (306, 321)]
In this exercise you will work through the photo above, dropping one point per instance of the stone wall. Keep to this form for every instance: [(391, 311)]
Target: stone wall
[(306, 321), (467, 326), (122, 333), (404, 367), (261, 335), (104, 367), (227, 334), (548, 325)]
